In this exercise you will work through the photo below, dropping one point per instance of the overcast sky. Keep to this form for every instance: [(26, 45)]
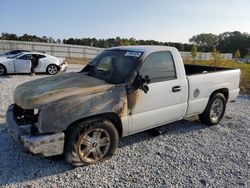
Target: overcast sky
[(162, 20)]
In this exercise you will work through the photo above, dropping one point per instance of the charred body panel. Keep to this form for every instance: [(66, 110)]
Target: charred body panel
[(40, 92), (46, 145), (57, 116), (66, 98)]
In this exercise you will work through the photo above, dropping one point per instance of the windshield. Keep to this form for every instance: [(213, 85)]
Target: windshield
[(113, 66)]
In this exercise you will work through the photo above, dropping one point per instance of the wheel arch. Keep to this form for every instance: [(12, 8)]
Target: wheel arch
[(205, 116), (224, 91), (111, 116)]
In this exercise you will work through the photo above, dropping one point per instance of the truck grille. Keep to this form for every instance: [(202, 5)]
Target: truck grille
[(24, 116)]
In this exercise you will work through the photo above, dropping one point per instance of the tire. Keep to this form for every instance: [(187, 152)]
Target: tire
[(52, 69), (214, 110), (2, 70), (90, 142)]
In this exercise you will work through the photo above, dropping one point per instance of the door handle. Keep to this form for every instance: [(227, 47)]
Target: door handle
[(176, 88)]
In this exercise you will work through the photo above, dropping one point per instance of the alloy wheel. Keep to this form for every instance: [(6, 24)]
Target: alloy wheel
[(94, 145)]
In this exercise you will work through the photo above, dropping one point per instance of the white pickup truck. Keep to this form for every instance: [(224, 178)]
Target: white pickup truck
[(124, 90)]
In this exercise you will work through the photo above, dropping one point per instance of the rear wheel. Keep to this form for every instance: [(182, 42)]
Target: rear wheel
[(2, 70), (215, 110), (90, 142), (52, 69)]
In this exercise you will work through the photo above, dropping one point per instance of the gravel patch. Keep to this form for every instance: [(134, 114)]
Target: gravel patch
[(187, 154)]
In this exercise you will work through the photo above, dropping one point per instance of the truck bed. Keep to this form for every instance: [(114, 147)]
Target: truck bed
[(203, 80), (200, 69)]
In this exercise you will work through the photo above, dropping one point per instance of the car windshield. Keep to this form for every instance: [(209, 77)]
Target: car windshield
[(113, 66)]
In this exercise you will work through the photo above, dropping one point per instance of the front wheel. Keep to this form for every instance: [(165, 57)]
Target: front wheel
[(215, 110), (52, 69), (90, 142), (2, 70)]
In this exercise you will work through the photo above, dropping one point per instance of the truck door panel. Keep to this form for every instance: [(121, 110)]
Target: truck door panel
[(165, 101)]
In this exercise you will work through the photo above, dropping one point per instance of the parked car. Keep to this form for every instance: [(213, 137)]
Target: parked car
[(124, 90), (21, 63), (13, 52)]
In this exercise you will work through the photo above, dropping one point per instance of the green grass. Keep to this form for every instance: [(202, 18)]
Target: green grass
[(244, 67)]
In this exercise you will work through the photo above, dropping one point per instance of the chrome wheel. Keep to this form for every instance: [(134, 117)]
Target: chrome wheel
[(94, 145), (216, 109), (2, 70), (52, 69)]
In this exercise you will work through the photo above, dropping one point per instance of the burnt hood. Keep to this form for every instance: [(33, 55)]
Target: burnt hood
[(37, 93)]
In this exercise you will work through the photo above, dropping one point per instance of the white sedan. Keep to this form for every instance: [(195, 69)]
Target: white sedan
[(21, 63)]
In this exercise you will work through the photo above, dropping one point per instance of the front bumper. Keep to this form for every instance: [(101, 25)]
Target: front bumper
[(46, 145), (63, 67)]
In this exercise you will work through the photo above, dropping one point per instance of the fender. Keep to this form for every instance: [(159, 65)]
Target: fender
[(57, 116)]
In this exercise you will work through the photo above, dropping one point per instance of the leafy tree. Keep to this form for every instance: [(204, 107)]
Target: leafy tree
[(179, 46), (206, 40), (237, 53), (132, 41), (45, 39), (58, 41), (247, 56), (194, 52), (229, 42), (9, 36), (216, 55), (51, 40)]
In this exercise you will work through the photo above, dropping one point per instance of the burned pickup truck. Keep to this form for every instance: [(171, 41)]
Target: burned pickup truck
[(124, 90)]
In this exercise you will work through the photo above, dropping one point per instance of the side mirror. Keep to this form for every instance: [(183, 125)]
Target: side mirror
[(142, 83)]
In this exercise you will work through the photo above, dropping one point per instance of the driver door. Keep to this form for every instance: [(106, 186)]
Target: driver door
[(23, 64), (166, 100)]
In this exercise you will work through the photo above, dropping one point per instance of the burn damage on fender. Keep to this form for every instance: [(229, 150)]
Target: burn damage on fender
[(58, 116), (66, 98)]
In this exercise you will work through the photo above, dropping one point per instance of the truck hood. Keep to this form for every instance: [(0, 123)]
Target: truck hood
[(40, 92)]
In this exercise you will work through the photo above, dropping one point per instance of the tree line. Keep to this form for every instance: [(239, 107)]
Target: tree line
[(227, 42)]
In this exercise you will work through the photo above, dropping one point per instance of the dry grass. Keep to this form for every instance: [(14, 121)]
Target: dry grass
[(81, 61), (244, 67)]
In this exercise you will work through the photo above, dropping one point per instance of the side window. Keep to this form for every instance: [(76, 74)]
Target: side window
[(159, 66), (40, 56), (25, 57)]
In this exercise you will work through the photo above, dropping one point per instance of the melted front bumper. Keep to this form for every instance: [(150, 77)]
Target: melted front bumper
[(46, 145)]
